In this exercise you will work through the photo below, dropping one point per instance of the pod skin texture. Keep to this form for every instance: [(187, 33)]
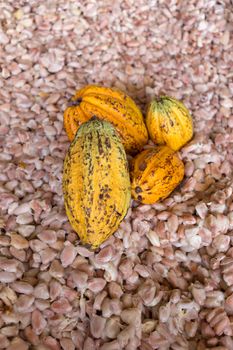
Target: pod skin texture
[(109, 104), (96, 183), (155, 173), (169, 122)]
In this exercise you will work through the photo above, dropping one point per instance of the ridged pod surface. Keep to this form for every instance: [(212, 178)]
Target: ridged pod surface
[(155, 173), (169, 122), (110, 104), (96, 183)]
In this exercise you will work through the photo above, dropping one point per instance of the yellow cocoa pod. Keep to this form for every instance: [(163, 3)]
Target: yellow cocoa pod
[(155, 173), (110, 104), (169, 122), (96, 183)]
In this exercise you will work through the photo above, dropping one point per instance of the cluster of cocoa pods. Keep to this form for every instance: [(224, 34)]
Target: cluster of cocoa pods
[(104, 125)]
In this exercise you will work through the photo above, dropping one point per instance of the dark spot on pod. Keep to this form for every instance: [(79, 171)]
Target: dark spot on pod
[(107, 143), (138, 190), (75, 103), (167, 178), (94, 117), (171, 122), (139, 198), (142, 166), (100, 146), (101, 196)]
